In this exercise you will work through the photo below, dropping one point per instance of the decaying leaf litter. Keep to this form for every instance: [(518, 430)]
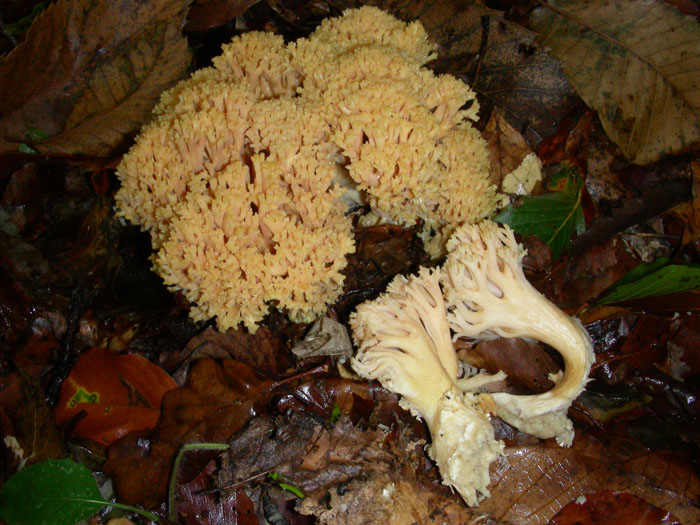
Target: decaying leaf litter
[(102, 294)]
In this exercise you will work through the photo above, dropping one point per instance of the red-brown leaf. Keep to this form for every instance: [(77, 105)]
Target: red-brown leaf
[(117, 393), (612, 508), (533, 483), (205, 14)]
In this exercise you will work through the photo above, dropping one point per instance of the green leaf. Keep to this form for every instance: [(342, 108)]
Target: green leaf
[(275, 476), (553, 217), (36, 134), (647, 281), (54, 492), (335, 413)]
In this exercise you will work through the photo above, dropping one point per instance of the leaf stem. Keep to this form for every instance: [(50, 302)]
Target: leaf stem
[(172, 511), (130, 508)]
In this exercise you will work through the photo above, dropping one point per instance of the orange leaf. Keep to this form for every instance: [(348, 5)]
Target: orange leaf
[(116, 393)]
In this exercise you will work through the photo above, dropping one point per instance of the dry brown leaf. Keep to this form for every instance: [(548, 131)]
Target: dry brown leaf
[(205, 14), (89, 73), (637, 63), (531, 484), (386, 487), (507, 148), (691, 233), (511, 72)]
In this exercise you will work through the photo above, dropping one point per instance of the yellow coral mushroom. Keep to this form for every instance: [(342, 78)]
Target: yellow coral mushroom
[(244, 175)]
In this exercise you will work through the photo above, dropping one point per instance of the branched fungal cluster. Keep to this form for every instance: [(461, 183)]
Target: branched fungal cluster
[(246, 172)]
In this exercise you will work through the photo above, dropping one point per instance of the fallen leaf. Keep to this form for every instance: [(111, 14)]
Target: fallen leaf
[(205, 14), (532, 484), (396, 497), (571, 140), (525, 362), (381, 252), (553, 217), (325, 337), (359, 400), (304, 451), (261, 350), (26, 422), (197, 505), (507, 148), (53, 491), (509, 70), (522, 180), (636, 63), (656, 278), (89, 73), (612, 508), (216, 401), (117, 393)]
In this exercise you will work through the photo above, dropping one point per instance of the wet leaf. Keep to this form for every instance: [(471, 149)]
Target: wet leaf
[(655, 278), (507, 147), (611, 508), (56, 491), (216, 401), (261, 350), (532, 484), (553, 217), (205, 14), (636, 63), (117, 393), (89, 72), (499, 59), (525, 362)]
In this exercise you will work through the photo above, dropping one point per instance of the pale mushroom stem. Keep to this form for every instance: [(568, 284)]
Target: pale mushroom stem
[(488, 296)]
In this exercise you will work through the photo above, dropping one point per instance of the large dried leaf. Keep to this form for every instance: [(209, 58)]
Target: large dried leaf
[(89, 73), (531, 484), (637, 63)]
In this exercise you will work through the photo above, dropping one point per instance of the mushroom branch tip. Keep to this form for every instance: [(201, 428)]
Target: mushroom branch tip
[(245, 173), (404, 342), (487, 296)]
